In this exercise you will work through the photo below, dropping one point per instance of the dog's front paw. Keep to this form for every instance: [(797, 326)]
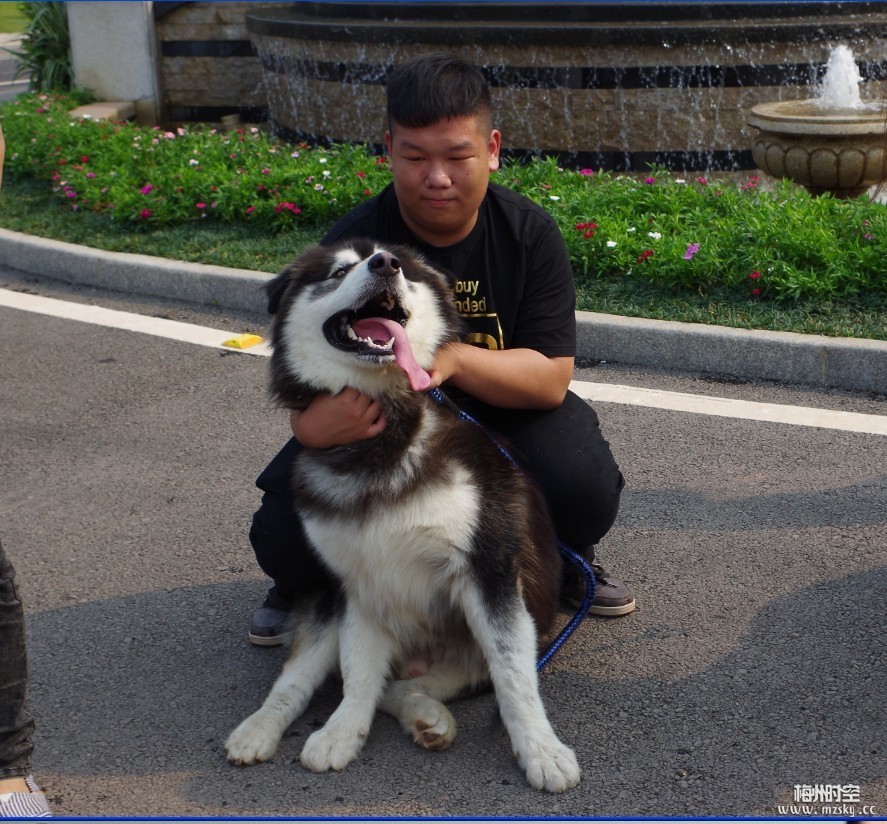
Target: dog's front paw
[(331, 749), (254, 739), (551, 766)]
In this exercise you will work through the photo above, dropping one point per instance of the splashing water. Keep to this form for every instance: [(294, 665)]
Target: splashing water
[(840, 86)]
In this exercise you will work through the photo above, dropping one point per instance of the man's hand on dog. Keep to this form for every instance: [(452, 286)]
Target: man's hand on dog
[(336, 420)]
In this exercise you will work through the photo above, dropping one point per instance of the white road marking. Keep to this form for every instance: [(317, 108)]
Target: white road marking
[(129, 321), (598, 392), (732, 408)]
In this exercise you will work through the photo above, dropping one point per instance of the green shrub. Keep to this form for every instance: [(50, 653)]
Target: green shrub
[(698, 236), (46, 47)]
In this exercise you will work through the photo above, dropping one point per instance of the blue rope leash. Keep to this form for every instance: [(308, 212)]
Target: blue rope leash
[(568, 554)]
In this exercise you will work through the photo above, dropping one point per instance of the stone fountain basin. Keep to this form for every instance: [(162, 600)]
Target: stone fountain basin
[(841, 151)]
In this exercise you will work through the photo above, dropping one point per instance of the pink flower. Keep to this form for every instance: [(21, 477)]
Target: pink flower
[(755, 275), (250, 209), (145, 214), (692, 249), (702, 181), (146, 189), (647, 253), (586, 172), (266, 171), (200, 205), (361, 174), (755, 293), (90, 175), (869, 236), (650, 181)]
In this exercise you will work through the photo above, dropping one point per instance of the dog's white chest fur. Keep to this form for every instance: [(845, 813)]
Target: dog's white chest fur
[(398, 559)]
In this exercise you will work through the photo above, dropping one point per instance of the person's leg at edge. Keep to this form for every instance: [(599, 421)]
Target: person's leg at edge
[(282, 551), (20, 797), (567, 454)]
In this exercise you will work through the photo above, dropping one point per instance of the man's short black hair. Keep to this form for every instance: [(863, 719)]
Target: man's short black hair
[(435, 87)]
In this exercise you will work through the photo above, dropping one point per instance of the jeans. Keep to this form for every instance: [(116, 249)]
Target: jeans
[(16, 725), (563, 449)]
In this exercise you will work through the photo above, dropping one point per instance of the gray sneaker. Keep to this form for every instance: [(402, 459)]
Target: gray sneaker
[(271, 626), (612, 597)]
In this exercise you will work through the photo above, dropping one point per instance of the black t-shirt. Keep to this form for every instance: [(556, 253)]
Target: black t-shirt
[(511, 277)]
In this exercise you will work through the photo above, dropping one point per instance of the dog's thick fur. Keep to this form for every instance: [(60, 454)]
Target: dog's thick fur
[(447, 563)]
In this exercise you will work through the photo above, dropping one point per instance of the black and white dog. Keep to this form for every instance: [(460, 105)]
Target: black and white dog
[(446, 559)]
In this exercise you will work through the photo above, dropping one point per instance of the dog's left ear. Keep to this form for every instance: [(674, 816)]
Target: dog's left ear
[(275, 289)]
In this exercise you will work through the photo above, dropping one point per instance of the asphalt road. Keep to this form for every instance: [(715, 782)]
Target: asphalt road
[(756, 660)]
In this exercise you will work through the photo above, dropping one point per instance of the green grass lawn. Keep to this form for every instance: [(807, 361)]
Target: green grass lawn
[(12, 20), (27, 205)]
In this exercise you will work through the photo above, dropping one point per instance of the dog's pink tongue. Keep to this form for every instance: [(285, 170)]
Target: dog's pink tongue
[(382, 330)]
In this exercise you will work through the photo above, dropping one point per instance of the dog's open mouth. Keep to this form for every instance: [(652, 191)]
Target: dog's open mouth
[(376, 332)]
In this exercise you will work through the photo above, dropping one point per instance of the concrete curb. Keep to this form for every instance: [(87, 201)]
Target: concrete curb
[(816, 360), (134, 274)]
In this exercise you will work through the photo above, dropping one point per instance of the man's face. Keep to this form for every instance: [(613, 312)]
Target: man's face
[(441, 174)]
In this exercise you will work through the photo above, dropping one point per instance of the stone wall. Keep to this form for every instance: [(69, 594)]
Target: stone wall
[(602, 91), (208, 67)]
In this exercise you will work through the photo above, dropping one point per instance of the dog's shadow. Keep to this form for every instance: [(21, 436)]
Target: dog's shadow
[(151, 684)]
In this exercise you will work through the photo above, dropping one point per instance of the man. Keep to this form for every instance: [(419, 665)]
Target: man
[(512, 283)]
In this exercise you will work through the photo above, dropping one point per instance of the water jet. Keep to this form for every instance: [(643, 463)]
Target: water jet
[(835, 143)]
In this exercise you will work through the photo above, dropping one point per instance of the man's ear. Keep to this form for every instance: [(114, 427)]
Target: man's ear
[(494, 146)]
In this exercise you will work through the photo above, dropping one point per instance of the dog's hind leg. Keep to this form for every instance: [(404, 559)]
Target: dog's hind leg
[(314, 657), (418, 704), (507, 636)]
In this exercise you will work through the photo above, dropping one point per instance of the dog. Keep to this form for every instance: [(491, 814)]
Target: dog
[(447, 565)]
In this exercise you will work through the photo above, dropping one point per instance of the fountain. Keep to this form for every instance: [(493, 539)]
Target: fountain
[(605, 85), (834, 143)]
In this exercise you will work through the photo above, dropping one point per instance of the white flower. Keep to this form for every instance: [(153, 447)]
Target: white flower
[(553, 197), (655, 235), (680, 181), (632, 228), (611, 243), (193, 162), (322, 160)]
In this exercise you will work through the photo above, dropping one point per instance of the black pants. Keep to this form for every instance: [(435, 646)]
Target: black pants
[(16, 725), (563, 450)]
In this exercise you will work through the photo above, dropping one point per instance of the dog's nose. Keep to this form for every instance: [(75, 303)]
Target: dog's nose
[(384, 264)]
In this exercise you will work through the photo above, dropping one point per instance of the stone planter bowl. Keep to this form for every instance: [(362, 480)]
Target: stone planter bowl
[(841, 151)]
